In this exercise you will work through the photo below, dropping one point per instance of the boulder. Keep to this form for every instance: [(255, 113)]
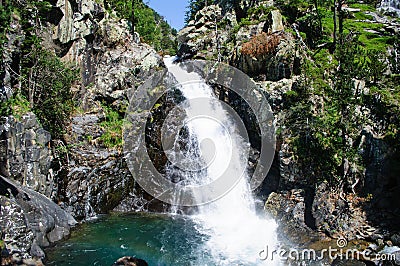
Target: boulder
[(130, 261), (31, 220), (288, 209)]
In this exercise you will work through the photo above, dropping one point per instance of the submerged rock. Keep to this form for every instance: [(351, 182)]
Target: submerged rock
[(130, 261)]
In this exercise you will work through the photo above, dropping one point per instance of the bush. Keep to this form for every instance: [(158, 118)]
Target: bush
[(112, 136), (261, 44), (17, 106)]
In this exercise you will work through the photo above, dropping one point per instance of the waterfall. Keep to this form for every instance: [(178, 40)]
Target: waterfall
[(236, 234), (391, 7)]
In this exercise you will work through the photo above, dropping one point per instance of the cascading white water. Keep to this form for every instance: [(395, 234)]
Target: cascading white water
[(236, 233), (391, 7)]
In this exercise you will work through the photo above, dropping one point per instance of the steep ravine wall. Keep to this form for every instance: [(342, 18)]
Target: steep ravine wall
[(85, 177), (78, 172)]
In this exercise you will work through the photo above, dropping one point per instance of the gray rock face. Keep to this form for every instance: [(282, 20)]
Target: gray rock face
[(336, 216), (216, 34), (80, 19), (200, 36), (288, 208), (26, 155), (11, 46), (276, 21), (95, 179), (83, 175)]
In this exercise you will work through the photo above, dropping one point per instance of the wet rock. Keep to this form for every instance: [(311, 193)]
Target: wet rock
[(130, 261), (340, 262), (288, 208), (395, 239)]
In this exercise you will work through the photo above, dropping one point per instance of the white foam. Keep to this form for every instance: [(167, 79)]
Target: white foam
[(236, 233)]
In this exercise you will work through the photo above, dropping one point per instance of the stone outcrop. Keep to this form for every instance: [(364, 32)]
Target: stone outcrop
[(30, 221), (282, 62), (96, 177), (200, 38), (217, 35), (288, 208)]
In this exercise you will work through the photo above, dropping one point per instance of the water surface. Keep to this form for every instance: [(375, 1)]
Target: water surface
[(157, 238)]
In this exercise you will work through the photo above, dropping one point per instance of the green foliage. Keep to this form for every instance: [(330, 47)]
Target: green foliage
[(46, 83), (113, 125), (376, 65), (17, 106), (385, 105), (394, 57), (321, 128), (152, 27), (5, 19)]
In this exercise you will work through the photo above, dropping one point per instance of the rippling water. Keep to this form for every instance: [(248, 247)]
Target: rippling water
[(159, 239)]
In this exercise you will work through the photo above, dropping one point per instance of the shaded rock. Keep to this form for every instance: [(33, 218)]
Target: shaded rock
[(130, 261), (339, 215), (288, 208), (395, 239)]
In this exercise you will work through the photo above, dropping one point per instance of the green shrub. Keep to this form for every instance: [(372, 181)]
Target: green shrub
[(17, 106), (152, 27), (112, 126)]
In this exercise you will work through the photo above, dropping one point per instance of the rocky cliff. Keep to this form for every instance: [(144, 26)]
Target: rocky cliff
[(84, 170)]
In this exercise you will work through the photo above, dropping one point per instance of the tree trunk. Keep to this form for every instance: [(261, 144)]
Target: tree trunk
[(334, 25), (341, 17), (318, 14)]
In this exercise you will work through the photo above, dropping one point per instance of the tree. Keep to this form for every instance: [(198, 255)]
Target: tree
[(345, 97), (43, 79), (338, 19), (193, 7), (394, 57)]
